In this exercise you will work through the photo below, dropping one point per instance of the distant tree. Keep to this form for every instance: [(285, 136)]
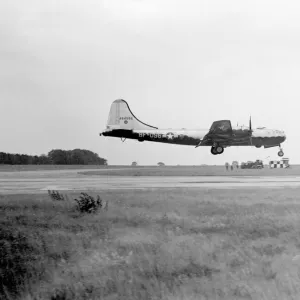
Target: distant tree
[(44, 160), (6, 158), (24, 159), (35, 160), (56, 157), (9, 159)]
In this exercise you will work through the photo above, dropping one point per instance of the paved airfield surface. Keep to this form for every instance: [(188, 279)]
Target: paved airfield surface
[(41, 181)]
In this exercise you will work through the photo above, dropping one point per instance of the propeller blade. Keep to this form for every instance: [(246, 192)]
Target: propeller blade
[(250, 130)]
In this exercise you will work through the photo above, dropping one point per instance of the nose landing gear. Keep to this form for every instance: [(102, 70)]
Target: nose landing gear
[(280, 153)]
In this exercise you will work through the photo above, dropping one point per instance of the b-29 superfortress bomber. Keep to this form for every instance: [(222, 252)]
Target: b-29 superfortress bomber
[(122, 123)]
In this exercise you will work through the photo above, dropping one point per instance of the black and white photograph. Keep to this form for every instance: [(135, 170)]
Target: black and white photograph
[(148, 150)]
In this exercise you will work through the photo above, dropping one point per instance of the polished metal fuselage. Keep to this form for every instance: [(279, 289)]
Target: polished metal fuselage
[(240, 136)]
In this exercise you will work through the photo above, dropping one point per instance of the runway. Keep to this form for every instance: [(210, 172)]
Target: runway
[(31, 182)]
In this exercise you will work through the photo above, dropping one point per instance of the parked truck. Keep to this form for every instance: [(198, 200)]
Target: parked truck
[(258, 164)]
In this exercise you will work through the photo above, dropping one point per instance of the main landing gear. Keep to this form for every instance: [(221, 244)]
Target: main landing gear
[(217, 149), (280, 153)]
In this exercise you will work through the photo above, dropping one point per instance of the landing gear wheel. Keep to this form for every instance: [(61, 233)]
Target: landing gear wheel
[(213, 151), (219, 149), (280, 153)]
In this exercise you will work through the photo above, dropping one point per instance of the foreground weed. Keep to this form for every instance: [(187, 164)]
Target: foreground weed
[(88, 204), (55, 195)]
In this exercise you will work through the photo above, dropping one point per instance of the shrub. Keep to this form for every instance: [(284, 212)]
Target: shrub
[(55, 195), (88, 204)]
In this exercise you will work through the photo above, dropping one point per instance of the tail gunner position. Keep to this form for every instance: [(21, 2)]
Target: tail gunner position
[(122, 123)]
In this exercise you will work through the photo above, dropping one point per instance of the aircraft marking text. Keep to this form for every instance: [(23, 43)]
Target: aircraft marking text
[(151, 135), (169, 135)]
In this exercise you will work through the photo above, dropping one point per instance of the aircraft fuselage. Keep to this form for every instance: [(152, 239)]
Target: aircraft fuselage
[(240, 137)]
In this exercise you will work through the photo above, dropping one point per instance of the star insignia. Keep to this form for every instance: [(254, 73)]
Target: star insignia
[(170, 136)]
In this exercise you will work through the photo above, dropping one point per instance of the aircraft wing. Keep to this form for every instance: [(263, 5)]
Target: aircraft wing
[(220, 131)]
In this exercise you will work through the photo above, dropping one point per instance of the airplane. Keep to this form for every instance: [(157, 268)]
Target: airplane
[(122, 123)]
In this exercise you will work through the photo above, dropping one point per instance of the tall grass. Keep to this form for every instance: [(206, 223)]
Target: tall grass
[(188, 244)]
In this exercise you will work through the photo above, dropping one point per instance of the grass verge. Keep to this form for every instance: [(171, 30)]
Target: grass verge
[(155, 244), (193, 171)]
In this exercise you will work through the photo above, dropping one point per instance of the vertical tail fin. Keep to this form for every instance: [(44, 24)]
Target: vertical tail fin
[(121, 117)]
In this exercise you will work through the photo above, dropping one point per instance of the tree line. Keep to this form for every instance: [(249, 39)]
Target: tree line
[(54, 157)]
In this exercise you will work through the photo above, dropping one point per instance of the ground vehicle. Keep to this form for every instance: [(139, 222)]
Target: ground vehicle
[(258, 164)]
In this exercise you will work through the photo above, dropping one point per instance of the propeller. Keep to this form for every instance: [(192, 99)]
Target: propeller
[(250, 124), (250, 130)]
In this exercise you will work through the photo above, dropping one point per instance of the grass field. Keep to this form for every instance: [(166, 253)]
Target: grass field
[(155, 170), (17, 168), (193, 171), (155, 244)]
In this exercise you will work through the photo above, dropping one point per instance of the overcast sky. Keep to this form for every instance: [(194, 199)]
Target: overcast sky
[(177, 63)]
